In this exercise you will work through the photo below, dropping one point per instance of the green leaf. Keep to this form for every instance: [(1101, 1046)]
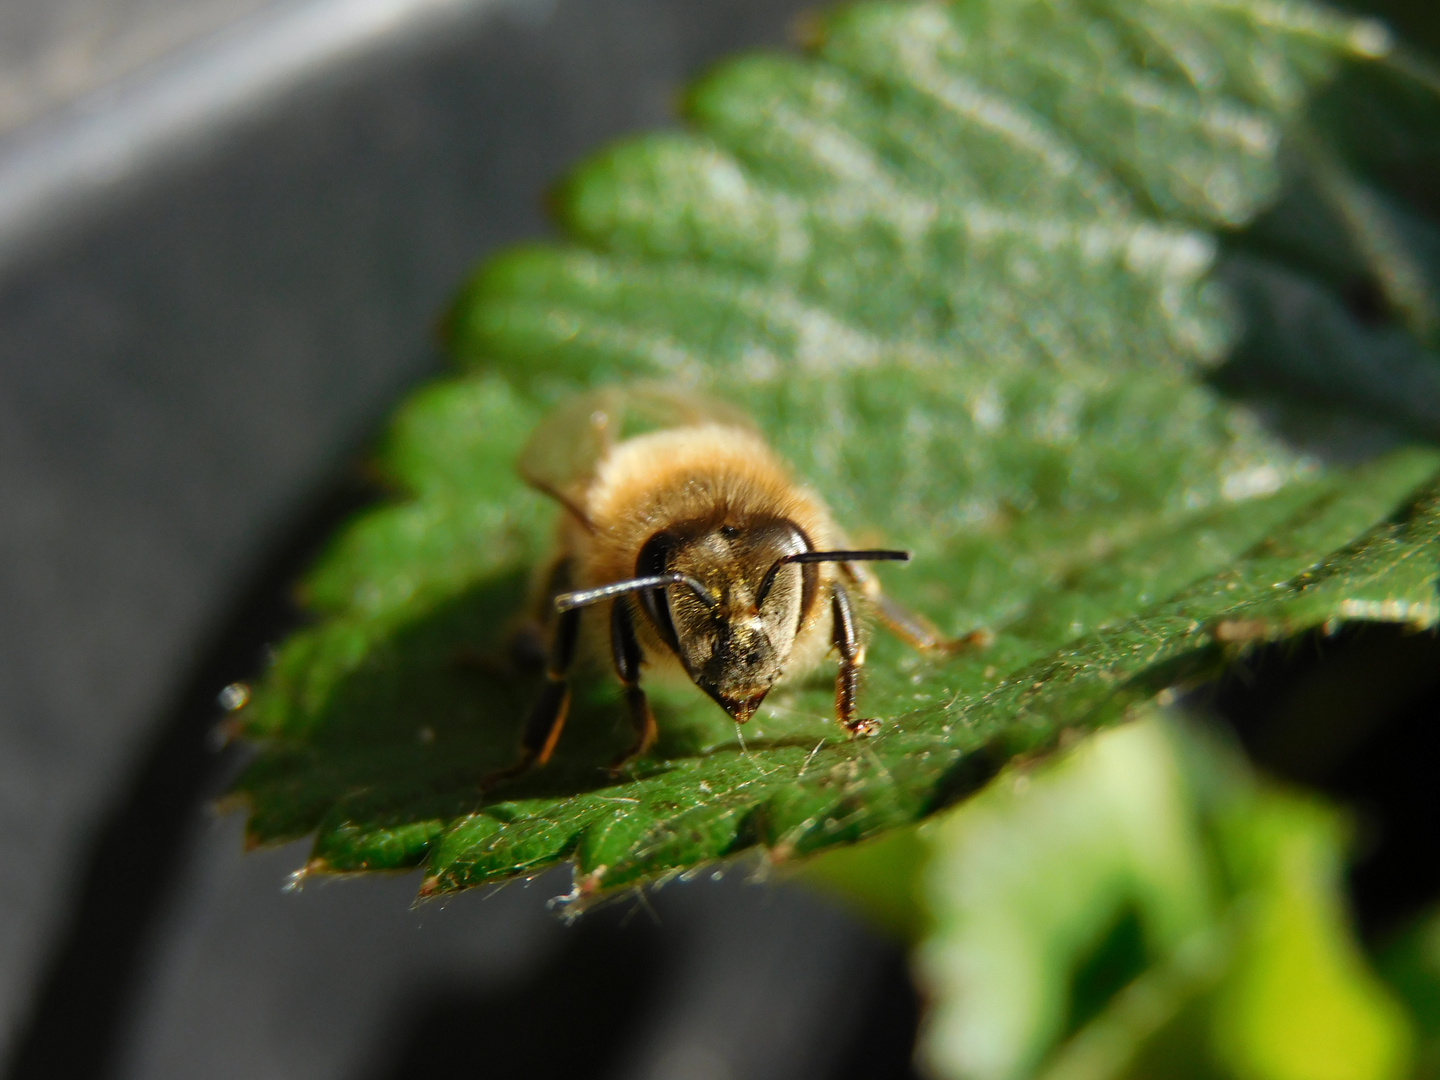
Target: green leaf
[(1299, 1002), (1411, 965), (1030, 876), (1338, 283), (1141, 907), (953, 264)]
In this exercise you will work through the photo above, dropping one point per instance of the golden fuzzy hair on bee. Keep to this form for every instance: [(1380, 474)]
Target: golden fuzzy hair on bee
[(719, 475), (711, 475)]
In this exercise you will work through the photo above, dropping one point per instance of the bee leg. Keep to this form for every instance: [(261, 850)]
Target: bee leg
[(852, 659), (547, 715), (920, 633), (911, 627), (626, 650)]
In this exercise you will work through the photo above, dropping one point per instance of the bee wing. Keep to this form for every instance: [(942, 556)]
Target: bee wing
[(568, 445)]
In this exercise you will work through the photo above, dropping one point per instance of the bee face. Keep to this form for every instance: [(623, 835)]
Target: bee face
[(738, 646)]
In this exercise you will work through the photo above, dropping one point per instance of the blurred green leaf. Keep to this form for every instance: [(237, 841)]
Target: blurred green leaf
[(953, 264), (1112, 914), (1411, 965), (1029, 877), (1298, 1001)]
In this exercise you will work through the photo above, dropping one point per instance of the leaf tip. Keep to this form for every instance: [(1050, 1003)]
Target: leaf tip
[(590, 884), (1240, 631), (229, 803), (807, 30), (1371, 39)]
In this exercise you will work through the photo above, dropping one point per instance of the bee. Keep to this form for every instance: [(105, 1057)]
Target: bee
[(713, 563)]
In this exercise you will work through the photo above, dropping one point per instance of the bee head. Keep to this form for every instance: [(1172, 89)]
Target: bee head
[(736, 632), (729, 598)]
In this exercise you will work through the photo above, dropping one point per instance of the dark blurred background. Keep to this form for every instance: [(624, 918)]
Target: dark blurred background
[(226, 230)]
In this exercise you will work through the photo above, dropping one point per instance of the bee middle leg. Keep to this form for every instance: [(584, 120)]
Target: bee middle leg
[(852, 659), (626, 650), (547, 715), (911, 627)]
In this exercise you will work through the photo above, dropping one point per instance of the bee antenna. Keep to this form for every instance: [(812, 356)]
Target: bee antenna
[(571, 600), (865, 555)]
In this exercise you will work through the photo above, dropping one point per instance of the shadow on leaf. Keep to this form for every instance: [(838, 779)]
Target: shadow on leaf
[(403, 738)]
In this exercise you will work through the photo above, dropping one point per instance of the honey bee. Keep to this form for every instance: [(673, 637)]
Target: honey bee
[(712, 560)]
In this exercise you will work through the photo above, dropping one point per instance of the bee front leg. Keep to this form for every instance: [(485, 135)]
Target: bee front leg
[(852, 659), (626, 650), (547, 715)]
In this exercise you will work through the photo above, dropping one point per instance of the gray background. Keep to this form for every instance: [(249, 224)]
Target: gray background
[(55, 51)]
